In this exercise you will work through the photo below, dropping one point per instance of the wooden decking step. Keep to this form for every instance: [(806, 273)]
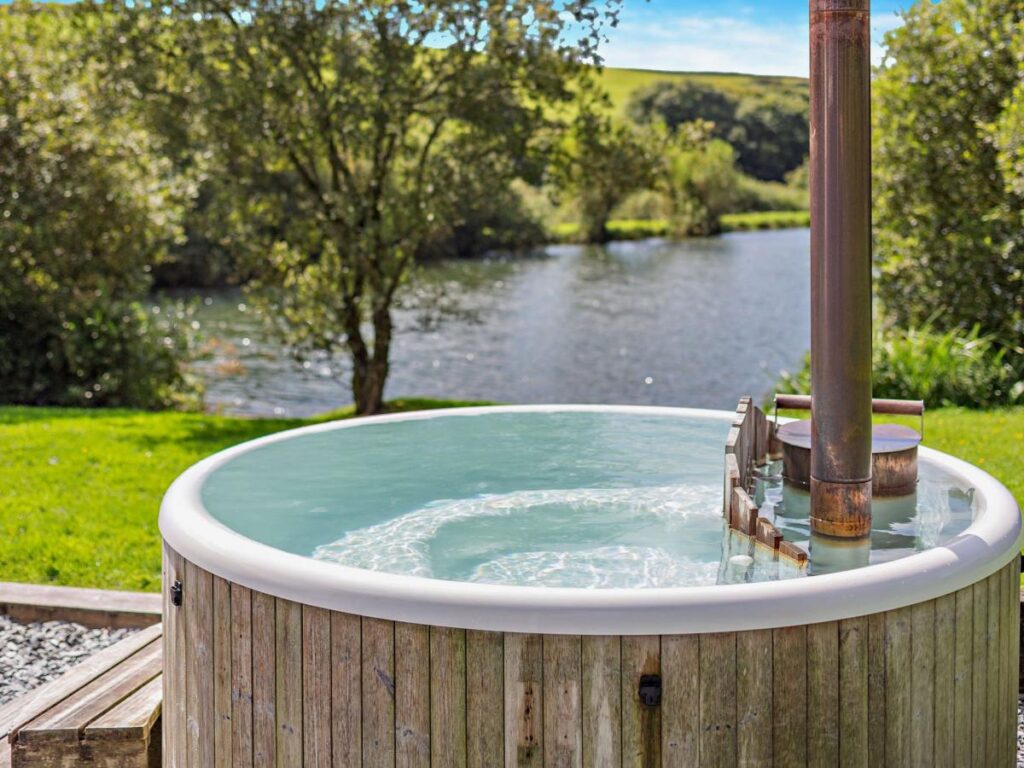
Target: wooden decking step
[(104, 712), (90, 607)]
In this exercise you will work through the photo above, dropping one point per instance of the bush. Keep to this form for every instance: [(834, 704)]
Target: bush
[(941, 368), (755, 195)]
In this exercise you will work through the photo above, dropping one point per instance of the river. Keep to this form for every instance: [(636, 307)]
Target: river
[(698, 322)]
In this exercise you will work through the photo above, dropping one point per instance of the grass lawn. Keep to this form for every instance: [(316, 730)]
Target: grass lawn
[(640, 229), (80, 489)]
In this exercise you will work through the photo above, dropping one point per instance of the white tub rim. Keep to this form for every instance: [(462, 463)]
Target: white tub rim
[(985, 546)]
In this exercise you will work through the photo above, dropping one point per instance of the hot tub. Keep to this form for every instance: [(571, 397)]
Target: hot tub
[(279, 650)]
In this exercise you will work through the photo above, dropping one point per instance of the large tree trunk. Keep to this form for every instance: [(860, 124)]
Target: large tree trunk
[(370, 372)]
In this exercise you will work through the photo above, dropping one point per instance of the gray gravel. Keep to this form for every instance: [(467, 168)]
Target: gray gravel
[(31, 654)]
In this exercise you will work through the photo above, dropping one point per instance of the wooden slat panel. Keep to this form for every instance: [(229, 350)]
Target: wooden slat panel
[(945, 672), (563, 701), (641, 726), (853, 692), (602, 700), (718, 698), (524, 708), (241, 677), (412, 695), (447, 697), (1013, 653), (288, 647), (222, 673), (1003, 755), (346, 689), (198, 613), (264, 680), (133, 718), (789, 698), (680, 716), (963, 669), (173, 730), (876, 689), (378, 651), (823, 694), (922, 684), (898, 700), (979, 675), (316, 687), (992, 701), (485, 701), (754, 698)]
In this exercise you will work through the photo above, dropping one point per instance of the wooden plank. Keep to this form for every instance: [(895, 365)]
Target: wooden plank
[(222, 673), (563, 701), (898, 701), (945, 685), (133, 718), (853, 692), (1003, 754), (485, 706), (412, 695), (602, 699), (173, 729), (1013, 653), (96, 608), (30, 705), (823, 693), (922, 684), (288, 682), (789, 696), (754, 698), (641, 726), (5, 753), (241, 677), (963, 669), (979, 675), (524, 707), (992, 701), (378, 652), (876, 689), (316, 687), (680, 716), (718, 698), (198, 612), (447, 697), (346, 689), (264, 680)]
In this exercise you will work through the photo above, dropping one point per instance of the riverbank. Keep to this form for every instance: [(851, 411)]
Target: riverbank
[(641, 229), (80, 489)]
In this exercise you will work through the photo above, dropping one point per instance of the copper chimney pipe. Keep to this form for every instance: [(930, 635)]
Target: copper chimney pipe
[(840, 125)]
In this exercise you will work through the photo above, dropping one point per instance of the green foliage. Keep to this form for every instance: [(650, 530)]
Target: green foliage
[(949, 196), (701, 182), (88, 207), (742, 222), (942, 368), (757, 195)]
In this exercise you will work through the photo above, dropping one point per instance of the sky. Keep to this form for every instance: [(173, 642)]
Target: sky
[(761, 37)]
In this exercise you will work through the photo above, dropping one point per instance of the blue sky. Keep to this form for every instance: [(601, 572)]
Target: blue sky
[(763, 37)]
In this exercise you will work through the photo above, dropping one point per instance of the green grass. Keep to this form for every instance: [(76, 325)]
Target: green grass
[(640, 229), (80, 489), (743, 222)]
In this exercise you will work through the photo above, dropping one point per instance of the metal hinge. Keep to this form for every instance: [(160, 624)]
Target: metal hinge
[(176, 593)]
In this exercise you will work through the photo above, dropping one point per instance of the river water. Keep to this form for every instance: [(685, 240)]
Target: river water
[(699, 323)]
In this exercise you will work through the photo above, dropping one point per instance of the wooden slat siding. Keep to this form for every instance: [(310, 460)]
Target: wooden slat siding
[(945, 680), (979, 674), (346, 690), (680, 717), (963, 671), (485, 699), (853, 692), (876, 689), (198, 610), (1005, 669), (602, 700), (1013, 656), (524, 708), (316, 687), (922, 684), (173, 731), (898, 700), (378, 710), (717, 695), (992, 670), (288, 645), (823, 694), (641, 726), (132, 719), (789, 696), (241, 677), (221, 673), (264, 681), (754, 682), (412, 695), (732, 479), (563, 701), (447, 697)]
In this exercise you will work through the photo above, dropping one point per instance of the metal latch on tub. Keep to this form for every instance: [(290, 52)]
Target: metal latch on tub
[(650, 690), (176, 593)]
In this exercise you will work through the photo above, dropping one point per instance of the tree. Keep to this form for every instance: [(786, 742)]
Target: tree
[(701, 180), (380, 111), (949, 201)]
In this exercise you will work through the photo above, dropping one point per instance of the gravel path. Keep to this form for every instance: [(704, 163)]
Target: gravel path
[(31, 654)]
